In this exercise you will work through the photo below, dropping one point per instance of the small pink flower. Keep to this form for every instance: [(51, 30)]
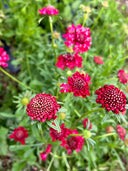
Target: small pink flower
[(43, 155), (78, 84), (42, 107), (121, 132), (19, 134), (73, 142), (111, 98), (98, 60), (3, 57), (123, 76), (69, 60), (59, 135), (49, 10), (79, 37), (85, 123)]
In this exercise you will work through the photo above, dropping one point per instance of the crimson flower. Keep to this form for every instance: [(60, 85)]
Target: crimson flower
[(59, 135), (43, 155), (78, 36), (69, 60), (78, 84), (73, 142), (3, 57), (121, 132), (19, 134), (42, 107), (85, 123), (98, 60), (123, 76), (111, 98), (49, 10)]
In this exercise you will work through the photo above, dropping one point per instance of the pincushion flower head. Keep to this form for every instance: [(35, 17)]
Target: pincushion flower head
[(69, 60), (98, 60), (49, 10), (3, 57), (73, 142), (43, 155), (79, 37), (121, 132), (19, 134), (123, 76), (78, 84), (59, 135), (87, 124), (111, 98), (42, 107)]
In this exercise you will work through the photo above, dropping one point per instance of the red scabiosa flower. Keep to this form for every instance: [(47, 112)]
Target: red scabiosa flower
[(121, 132), (85, 123), (43, 155), (73, 142), (111, 98), (69, 60), (78, 36), (123, 76), (3, 57), (78, 84), (59, 135), (49, 10), (98, 60), (42, 107), (19, 134)]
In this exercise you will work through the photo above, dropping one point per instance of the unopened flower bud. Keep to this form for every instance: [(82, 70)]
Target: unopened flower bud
[(82, 6), (56, 35), (55, 45), (87, 9), (69, 73), (25, 101), (109, 129), (62, 115), (105, 4), (87, 134)]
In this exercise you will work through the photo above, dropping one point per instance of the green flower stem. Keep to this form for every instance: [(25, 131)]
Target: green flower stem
[(105, 135), (19, 82), (41, 132), (28, 66), (51, 28), (60, 157), (85, 114), (96, 20)]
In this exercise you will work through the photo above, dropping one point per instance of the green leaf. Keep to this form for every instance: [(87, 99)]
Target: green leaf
[(18, 166), (7, 115)]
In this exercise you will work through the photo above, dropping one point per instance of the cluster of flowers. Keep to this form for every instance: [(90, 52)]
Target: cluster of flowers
[(43, 107)]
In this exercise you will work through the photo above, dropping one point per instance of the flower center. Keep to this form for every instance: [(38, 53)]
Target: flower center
[(19, 134), (72, 143), (79, 84), (80, 38), (68, 57)]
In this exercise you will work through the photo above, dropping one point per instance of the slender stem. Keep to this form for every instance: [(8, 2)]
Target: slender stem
[(51, 28), (85, 114), (16, 80), (41, 132), (95, 22), (105, 135), (28, 66)]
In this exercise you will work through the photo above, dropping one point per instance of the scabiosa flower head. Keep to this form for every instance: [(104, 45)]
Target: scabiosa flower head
[(98, 60), (19, 134), (78, 84), (73, 143), (123, 76), (78, 36), (49, 10), (59, 135), (111, 98), (69, 60), (121, 132), (3, 57), (85, 123), (42, 107)]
